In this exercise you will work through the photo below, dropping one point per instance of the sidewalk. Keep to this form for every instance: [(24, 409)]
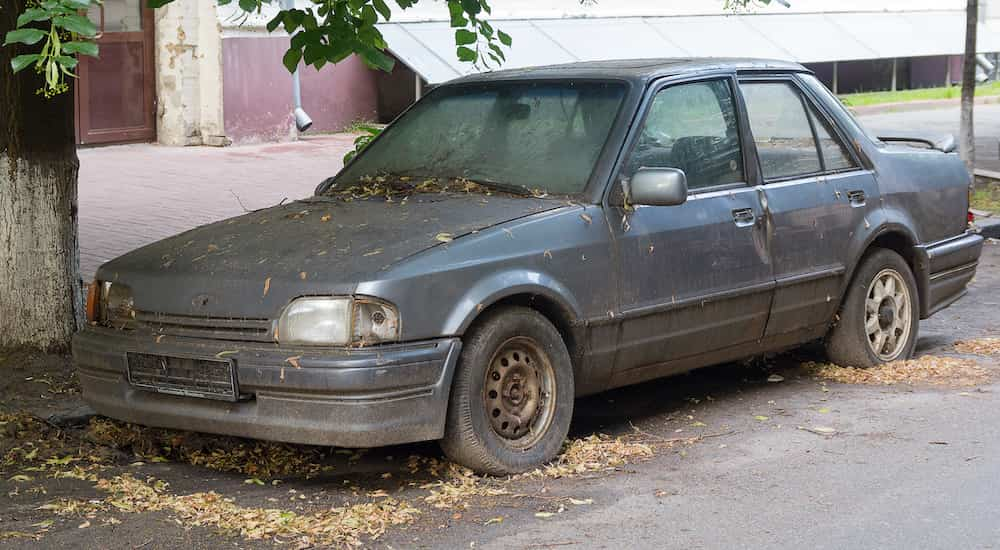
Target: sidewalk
[(132, 195)]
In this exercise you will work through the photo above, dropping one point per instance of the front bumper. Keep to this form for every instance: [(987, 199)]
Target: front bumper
[(369, 397)]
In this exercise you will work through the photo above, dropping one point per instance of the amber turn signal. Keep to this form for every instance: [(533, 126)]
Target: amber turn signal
[(92, 293)]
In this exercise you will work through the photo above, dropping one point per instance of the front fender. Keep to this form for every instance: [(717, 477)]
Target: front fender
[(498, 286)]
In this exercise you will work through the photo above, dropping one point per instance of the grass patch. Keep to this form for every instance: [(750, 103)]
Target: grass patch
[(923, 94), (985, 197)]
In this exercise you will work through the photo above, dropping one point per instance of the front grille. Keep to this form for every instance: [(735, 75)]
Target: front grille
[(214, 328), (211, 379)]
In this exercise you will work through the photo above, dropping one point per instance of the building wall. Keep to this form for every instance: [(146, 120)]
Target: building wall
[(257, 91), (189, 74)]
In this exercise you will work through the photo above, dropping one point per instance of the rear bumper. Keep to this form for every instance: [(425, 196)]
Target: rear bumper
[(352, 398), (944, 269)]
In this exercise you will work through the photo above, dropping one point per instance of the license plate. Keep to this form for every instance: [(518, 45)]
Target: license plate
[(184, 376)]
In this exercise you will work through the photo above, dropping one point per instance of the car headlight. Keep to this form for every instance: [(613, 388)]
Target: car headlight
[(337, 321), (110, 303)]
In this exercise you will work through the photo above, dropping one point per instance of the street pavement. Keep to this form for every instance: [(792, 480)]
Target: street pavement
[(945, 121), (133, 195)]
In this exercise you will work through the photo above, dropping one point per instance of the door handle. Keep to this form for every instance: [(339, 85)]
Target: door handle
[(856, 197), (744, 217)]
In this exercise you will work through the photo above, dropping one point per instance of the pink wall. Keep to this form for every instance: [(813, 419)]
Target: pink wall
[(257, 91)]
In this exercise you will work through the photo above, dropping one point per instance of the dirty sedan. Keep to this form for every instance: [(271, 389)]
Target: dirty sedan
[(522, 238)]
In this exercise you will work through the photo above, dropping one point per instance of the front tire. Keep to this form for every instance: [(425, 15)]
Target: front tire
[(879, 318), (512, 395)]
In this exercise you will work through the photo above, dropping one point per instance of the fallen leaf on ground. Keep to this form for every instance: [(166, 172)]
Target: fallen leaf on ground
[(927, 369), (979, 346)]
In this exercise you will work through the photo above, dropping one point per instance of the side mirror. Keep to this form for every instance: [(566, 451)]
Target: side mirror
[(658, 187)]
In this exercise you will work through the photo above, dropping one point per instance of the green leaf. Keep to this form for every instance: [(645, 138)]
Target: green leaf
[(31, 15), (80, 47), (382, 8), (76, 23), (505, 38), (66, 61), (472, 7), (457, 15), (274, 23), (24, 36), (160, 3), (22, 61), (376, 59), (368, 16), (291, 59), (248, 6), (466, 54), (465, 36)]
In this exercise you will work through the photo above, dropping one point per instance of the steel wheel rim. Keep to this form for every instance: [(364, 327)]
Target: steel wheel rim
[(519, 393), (888, 314)]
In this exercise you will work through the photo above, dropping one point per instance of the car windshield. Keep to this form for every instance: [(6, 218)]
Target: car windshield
[(534, 137)]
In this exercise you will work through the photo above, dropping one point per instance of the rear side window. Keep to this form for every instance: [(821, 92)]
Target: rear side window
[(781, 130), (835, 155), (691, 127)]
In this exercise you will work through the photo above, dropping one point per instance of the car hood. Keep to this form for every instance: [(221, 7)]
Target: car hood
[(252, 265)]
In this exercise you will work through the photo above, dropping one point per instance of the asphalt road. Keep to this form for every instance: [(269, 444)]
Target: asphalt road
[(909, 468), (985, 117)]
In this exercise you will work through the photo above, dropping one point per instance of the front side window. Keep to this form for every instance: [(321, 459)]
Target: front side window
[(537, 136), (691, 127), (781, 130), (835, 155)]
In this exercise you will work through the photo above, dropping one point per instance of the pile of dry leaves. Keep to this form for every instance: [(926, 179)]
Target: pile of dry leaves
[(979, 346), (925, 370), (340, 526), (260, 459)]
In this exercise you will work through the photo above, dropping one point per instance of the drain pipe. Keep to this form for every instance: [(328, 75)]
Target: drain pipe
[(302, 120)]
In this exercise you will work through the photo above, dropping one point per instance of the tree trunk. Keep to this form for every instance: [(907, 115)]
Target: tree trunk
[(967, 140), (40, 291)]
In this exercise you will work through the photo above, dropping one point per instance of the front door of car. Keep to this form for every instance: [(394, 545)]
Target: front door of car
[(817, 196), (696, 277)]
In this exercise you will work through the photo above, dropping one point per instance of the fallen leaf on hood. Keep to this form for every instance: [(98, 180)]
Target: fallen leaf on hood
[(294, 361), (547, 254), (444, 237), (267, 286), (373, 252), (303, 275), (325, 218), (543, 515), (586, 217)]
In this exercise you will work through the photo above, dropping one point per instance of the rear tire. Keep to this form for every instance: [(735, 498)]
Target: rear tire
[(879, 318), (512, 395)]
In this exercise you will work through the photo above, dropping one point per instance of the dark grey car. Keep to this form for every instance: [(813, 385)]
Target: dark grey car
[(522, 238)]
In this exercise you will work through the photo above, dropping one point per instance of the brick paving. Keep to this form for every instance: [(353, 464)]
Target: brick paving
[(132, 195)]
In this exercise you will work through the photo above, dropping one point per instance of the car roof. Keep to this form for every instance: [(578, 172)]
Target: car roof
[(635, 69)]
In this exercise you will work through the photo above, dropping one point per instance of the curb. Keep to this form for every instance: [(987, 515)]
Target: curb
[(919, 105)]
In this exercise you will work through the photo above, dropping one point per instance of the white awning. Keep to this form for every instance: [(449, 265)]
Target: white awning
[(429, 49)]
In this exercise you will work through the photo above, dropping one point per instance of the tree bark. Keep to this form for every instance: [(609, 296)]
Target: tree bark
[(967, 140), (40, 292)]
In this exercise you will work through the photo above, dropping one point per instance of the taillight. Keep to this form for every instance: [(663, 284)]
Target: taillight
[(93, 293), (971, 217)]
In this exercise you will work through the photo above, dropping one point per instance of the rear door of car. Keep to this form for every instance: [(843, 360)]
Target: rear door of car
[(696, 277), (818, 195)]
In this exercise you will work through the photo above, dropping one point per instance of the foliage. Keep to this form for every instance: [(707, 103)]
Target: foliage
[(329, 31), (68, 33), (944, 92), (368, 133)]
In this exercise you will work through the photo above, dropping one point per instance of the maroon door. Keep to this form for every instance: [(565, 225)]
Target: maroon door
[(116, 95)]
